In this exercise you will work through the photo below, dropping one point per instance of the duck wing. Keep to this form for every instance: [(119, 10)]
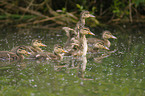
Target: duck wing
[(93, 40), (46, 55)]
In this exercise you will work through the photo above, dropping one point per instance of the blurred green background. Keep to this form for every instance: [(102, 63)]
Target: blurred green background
[(22, 13)]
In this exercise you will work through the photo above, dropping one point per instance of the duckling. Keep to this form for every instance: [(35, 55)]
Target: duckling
[(34, 48), (81, 23), (106, 35), (80, 44), (83, 39), (98, 45), (83, 16), (57, 55), (71, 34), (14, 56)]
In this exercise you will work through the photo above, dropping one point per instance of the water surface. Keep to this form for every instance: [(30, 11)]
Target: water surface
[(120, 73)]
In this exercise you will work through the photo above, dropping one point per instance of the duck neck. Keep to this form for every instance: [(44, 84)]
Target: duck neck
[(60, 57), (67, 42), (107, 43), (84, 44), (20, 57), (82, 21)]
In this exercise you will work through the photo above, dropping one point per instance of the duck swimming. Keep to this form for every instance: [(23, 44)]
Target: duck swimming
[(34, 48), (57, 55), (105, 42), (14, 56), (98, 45)]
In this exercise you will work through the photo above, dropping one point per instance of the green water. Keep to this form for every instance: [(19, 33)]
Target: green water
[(120, 73)]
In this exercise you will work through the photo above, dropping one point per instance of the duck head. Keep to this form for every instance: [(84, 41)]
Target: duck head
[(58, 49), (107, 35), (69, 31), (38, 43), (67, 28), (21, 50), (86, 14), (85, 31), (100, 45)]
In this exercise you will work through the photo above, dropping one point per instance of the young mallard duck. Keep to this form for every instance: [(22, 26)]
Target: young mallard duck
[(106, 35), (81, 23), (34, 48), (98, 45), (36, 44), (80, 44), (14, 56), (57, 55), (83, 16), (71, 34)]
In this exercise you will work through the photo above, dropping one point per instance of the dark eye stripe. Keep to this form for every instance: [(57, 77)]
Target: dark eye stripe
[(108, 33), (59, 47), (86, 29), (22, 47)]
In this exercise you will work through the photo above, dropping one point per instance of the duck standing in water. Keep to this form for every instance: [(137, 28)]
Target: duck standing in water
[(101, 44), (14, 56), (57, 55), (83, 40), (35, 48)]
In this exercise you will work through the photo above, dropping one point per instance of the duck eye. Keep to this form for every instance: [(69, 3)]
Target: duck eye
[(59, 47), (107, 33), (20, 48), (85, 29)]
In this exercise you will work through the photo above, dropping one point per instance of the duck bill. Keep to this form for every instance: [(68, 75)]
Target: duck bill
[(90, 15), (43, 45), (113, 37), (91, 33), (106, 48), (64, 51), (28, 53)]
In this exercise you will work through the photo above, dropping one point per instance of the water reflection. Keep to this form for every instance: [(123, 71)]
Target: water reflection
[(82, 67), (106, 54), (79, 63)]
